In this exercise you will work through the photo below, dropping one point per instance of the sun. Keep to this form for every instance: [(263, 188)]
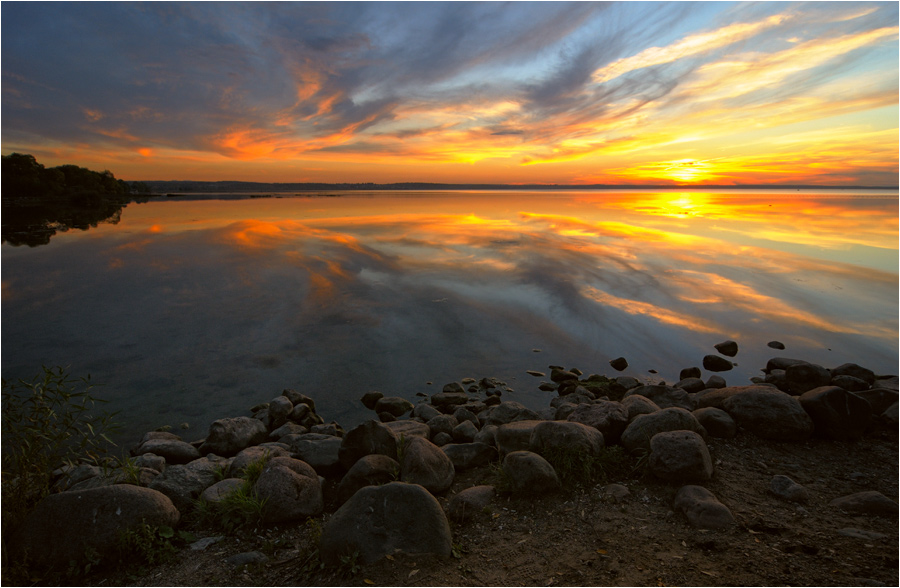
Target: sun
[(687, 171)]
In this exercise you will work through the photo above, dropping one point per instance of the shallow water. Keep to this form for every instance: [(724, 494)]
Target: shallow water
[(188, 310)]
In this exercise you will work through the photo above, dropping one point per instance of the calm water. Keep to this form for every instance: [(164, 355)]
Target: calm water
[(192, 310)]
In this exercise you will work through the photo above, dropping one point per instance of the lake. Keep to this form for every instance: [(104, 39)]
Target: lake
[(195, 308)]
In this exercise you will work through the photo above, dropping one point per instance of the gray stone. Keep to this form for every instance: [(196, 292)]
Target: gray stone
[(444, 423), (322, 452), (469, 455), (618, 364), (716, 421), (463, 414), (291, 490), (369, 470), (716, 381), (867, 503), (289, 428), (549, 437), (446, 400), (464, 432), (453, 388), (426, 412), (487, 435), (332, 428), (637, 435), (174, 451), (803, 377), (384, 520), (248, 558), (775, 344), (691, 385), (880, 399), (561, 375), (615, 493), (691, 372), (769, 414), (301, 413), (366, 439), (855, 371), (509, 412), (297, 398), (610, 418), (253, 454), (218, 491), (425, 464), (836, 413), (150, 460), (715, 363), (394, 405), (529, 473), (202, 544), (729, 348), (408, 428), (638, 404), (663, 396), (470, 502), (702, 509), (680, 456), (787, 489), (515, 436), (782, 363), (280, 409), (849, 383), (229, 436), (184, 483), (369, 399), (442, 439), (64, 527)]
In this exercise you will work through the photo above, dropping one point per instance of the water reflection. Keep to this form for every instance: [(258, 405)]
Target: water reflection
[(191, 311)]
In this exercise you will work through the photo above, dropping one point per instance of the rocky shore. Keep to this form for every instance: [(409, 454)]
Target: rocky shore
[(788, 479)]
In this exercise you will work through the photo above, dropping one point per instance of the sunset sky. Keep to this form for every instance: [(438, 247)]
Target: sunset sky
[(580, 93)]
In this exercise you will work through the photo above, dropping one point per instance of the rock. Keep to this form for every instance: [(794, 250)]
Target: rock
[(290, 490), (680, 456), (562, 412), (787, 489), (623, 384), (769, 414), (383, 520), (386, 417), (641, 430), (554, 437), (425, 464), (470, 501), (618, 364), (444, 423), (509, 412), (536, 374), (729, 348), (409, 429), (715, 363), (609, 418), (547, 387), (369, 399), (280, 409), (615, 493), (447, 400), (247, 558), (836, 413), (561, 375), (297, 398), (462, 414), (442, 439), (879, 399), (638, 404), (301, 413), (229, 436), (202, 544), (366, 439), (487, 435), (849, 383), (889, 382), (332, 428), (867, 503), (515, 436), (803, 377), (529, 473), (579, 396), (855, 371), (691, 385), (782, 363), (716, 398), (702, 509), (663, 396), (464, 432), (426, 412), (184, 483), (394, 405), (469, 455), (218, 491), (369, 470), (289, 428), (716, 421), (691, 372), (775, 344), (716, 381), (253, 454), (322, 452), (150, 460), (64, 527), (453, 388), (174, 451)]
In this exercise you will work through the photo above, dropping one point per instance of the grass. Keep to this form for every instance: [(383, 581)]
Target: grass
[(579, 468), (239, 508)]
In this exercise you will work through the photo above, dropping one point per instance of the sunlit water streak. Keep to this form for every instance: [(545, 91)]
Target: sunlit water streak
[(192, 310)]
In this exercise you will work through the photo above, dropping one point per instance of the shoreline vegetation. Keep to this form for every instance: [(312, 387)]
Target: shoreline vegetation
[(790, 478)]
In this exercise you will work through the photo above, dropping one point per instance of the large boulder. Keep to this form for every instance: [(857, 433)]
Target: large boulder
[(663, 396), (383, 520), (637, 404), (320, 451), (369, 470), (515, 436), (637, 435), (254, 454), (425, 412), (366, 439), (769, 414), (555, 437), (855, 371), (803, 377), (680, 456), (394, 405), (716, 363), (880, 399), (729, 348), (869, 502), (509, 412), (702, 509), (279, 409), (444, 423), (425, 464), (445, 401), (406, 429), (184, 483), (464, 432), (290, 489), (220, 490), (469, 455), (470, 501), (64, 527), (716, 421), (836, 413), (175, 451), (529, 473), (229, 436), (610, 418)]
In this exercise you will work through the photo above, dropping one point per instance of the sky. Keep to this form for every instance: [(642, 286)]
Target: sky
[(468, 92)]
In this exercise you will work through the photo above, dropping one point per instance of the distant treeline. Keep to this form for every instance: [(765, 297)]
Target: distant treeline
[(23, 178), (235, 187)]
